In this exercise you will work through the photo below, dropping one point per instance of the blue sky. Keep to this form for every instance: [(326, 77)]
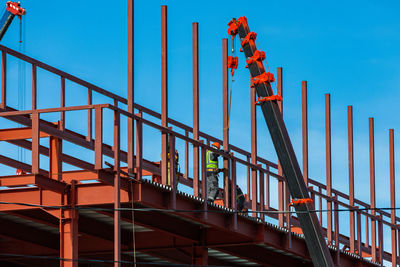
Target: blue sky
[(347, 48)]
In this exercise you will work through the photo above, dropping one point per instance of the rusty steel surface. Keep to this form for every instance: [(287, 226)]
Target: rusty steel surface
[(74, 214)]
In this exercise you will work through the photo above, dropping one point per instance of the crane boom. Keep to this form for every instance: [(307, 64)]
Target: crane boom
[(261, 79), (12, 9)]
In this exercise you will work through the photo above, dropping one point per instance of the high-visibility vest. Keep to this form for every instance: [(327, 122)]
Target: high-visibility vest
[(211, 164)]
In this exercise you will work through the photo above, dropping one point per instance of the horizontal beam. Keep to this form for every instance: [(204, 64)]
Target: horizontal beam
[(18, 133)]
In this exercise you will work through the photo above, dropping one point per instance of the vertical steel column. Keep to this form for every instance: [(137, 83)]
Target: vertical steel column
[(117, 189), (281, 184), (62, 103), (131, 85), (253, 120), (204, 182), (351, 175), (55, 162), (35, 143), (89, 136), (172, 172), (164, 95), (186, 174), (359, 237), (233, 190), (69, 232), (380, 239), (248, 180), (304, 130), (267, 202), (139, 147), (225, 117), (34, 87), (372, 185), (392, 197), (98, 141), (196, 163), (328, 165), (261, 192), (337, 234), (3, 80)]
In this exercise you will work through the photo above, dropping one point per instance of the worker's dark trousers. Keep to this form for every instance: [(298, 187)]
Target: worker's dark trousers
[(212, 185)]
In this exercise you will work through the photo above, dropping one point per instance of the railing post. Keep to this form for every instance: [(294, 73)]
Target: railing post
[(351, 175), (172, 169), (380, 239), (89, 134), (233, 190), (204, 182), (164, 95), (139, 147), (372, 185), (117, 191), (3, 80), (98, 141), (281, 184), (62, 103), (267, 202), (304, 130), (35, 143), (337, 233), (34, 87), (359, 237), (196, 164), (131, 84), (328, 166), (261, 190), (392, 197)]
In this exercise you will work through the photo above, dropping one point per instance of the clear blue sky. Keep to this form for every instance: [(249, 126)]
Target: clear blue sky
[(347, 48)]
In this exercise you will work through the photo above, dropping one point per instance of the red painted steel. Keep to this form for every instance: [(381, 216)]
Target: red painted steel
[(372, 185), (139, 148), (328, 165), (117, 189), (230, 233), (131, 83), (281, 184), (304, 130), (253, 119), (392, 196), (164, 94), (351, 177), (225, 118), (62, 103), (196, 162), (34, 87), (3, 80)]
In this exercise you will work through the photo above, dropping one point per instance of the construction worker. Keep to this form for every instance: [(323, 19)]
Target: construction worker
[(175, 169), (239, 199), (212, 172)]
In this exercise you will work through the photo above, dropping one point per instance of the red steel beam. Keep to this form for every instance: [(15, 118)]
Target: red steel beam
[(34, 87), (225, 117), (304, 130), (328, 164), (372, 185), (3, 79), (392, 197), (351, 177), (253, 122), (35, 143), (69, 233), (117, 189), (164, 94), (139, 148), (18, 133), (196, 164), (62, 103), (131, 84), (281, 184)]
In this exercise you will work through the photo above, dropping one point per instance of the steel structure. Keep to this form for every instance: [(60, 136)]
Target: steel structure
[(50, 216)]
